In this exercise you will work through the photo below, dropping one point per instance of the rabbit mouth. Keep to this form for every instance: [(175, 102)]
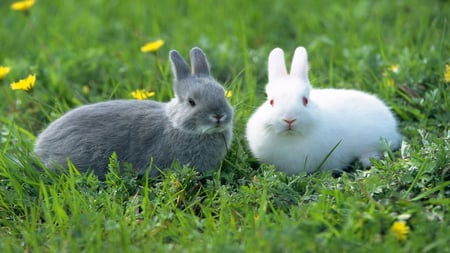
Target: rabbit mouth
[(209, 129), (288, 131)]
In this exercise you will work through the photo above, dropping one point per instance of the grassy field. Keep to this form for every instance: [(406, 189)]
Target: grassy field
[(87, 51)]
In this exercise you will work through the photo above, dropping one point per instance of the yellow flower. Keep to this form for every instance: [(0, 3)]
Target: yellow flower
[(228, 93), (395, 68), (24, 5), (142, 94), (152, 46), (4, 71), (447, 73), (24, 84), (85, 89), (390, 82), (400, 229)]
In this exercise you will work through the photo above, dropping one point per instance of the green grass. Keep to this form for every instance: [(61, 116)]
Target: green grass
[(243, 207)]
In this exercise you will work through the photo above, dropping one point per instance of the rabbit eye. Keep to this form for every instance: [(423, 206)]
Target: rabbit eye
[(191, 102), (305, 101), (271, 102)]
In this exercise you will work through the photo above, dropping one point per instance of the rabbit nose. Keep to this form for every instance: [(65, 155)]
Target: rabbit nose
[(218, 117), (289, 121)]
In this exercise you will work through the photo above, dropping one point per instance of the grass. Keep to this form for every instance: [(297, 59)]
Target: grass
[(88, 51)]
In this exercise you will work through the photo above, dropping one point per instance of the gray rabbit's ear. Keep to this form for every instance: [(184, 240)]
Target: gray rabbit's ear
[(180, 68), (199, 63), (276, 65)]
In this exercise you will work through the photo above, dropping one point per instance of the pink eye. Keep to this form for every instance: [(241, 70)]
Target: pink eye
[(271, 102), (305, 101)]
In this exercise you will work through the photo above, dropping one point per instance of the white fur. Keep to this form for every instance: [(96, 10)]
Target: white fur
[(352, 121)]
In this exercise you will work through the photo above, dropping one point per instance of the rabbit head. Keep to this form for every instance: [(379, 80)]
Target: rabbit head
[(200, 105), (288, 106)]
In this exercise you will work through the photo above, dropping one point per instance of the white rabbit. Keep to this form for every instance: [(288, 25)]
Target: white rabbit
[(301, 129), (194, 128)]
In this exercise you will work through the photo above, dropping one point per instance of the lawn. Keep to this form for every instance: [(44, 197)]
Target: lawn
[(87, 51)]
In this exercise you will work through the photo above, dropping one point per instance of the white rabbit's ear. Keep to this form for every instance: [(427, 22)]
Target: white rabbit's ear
[(276, 64), (199, 62), (180, 68), (299, 67)]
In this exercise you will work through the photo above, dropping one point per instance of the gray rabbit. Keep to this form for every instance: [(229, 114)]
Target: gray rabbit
[(194, 128)]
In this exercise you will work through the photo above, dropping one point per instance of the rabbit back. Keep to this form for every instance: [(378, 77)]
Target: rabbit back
[(363, 125), (88, 135)]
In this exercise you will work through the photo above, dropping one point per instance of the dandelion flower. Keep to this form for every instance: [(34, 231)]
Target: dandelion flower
[(24, 5), (85, 89), (447, 73), (390, 82), (228, 93), (24, 84), (152, 46), (142, 94), (400, 229), (4, 71), (395, 68)]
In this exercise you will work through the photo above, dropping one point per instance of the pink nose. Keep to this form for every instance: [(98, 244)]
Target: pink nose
[(289, 121)]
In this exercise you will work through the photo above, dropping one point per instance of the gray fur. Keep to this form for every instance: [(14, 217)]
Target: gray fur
[(144, 131), (180, 68), (200, 66)]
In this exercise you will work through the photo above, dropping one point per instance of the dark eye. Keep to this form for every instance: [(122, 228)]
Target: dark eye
[(271, 102), (305, 101), (191, 102), (265, 94)]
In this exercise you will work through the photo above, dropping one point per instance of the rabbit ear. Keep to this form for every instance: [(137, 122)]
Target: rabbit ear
[(199, 62), (180, 68), (276, 65), (299, 67)]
